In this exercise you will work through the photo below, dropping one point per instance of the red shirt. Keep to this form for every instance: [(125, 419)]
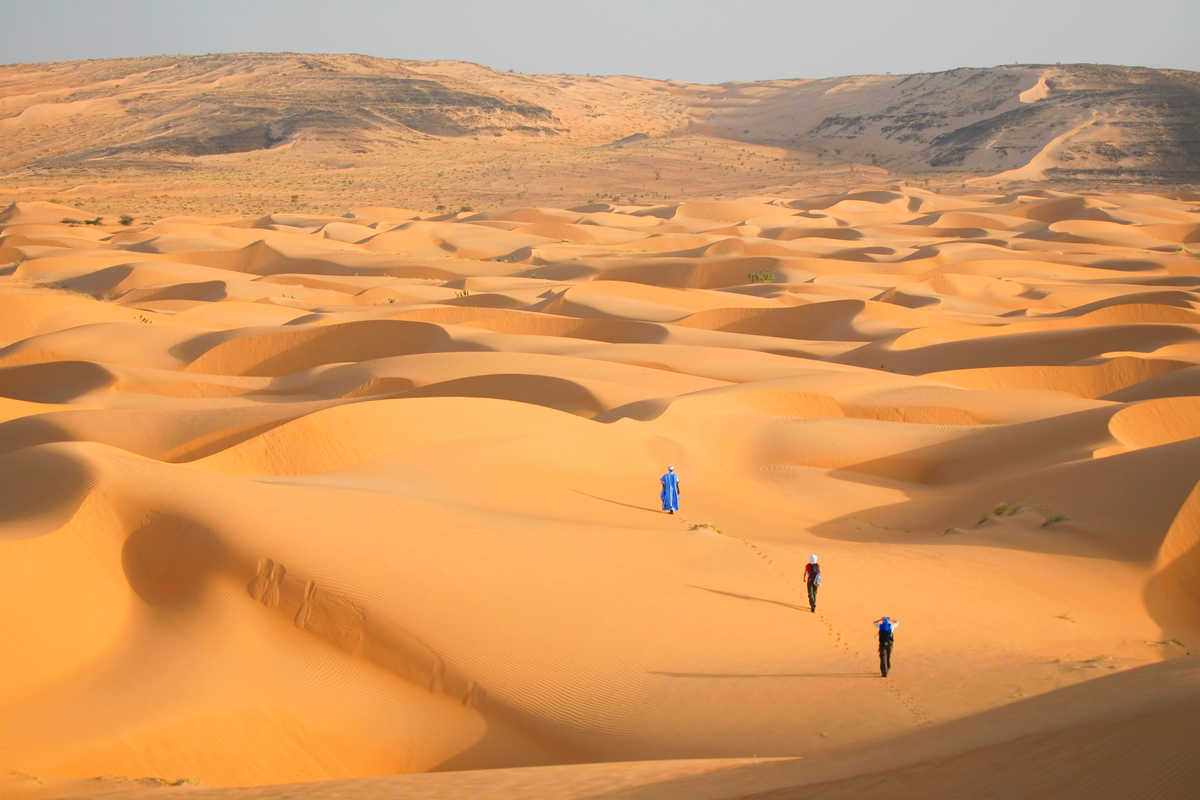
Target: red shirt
[(808, 571)]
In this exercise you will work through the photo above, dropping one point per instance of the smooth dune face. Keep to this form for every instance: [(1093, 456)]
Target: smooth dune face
[(296, 498)]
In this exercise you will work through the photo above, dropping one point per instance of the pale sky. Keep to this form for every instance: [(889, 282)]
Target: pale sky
[(696, 40)]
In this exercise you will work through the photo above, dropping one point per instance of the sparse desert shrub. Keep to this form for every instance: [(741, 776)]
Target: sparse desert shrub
[(762, 276), (1010, 509), (71, 221), (1006, 509), (126, 219), (999, 510), (463, 293), (94, 221)]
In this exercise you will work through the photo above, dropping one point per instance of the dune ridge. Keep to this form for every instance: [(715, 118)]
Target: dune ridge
[(299, 498), (171, 136)]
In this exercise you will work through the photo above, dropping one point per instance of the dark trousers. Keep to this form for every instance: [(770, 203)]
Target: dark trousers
[(812, 595), (885, 658)]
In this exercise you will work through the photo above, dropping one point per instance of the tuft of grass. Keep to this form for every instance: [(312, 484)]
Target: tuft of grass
[(463, 293), (1008, 509), (71, 221), (1066, 617), (126, 219), (761, 276)]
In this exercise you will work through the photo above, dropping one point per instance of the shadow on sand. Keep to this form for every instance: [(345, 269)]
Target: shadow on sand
[(764, 674), (751, 598), (618, 502)]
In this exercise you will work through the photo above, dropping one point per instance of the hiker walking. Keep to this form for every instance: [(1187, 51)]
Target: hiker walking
[(670, 491), (812, 576), (886, 626)]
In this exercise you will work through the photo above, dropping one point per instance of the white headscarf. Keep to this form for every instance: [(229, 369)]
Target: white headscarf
[(812, 559)]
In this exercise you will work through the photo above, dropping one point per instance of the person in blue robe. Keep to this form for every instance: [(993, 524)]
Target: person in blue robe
[(670, 491)]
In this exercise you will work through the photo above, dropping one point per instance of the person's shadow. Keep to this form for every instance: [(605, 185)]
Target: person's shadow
[(751, 598), (668, 674), (617, 502)]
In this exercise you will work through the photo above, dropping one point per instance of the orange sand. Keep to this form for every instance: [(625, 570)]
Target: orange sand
[(298, 499)]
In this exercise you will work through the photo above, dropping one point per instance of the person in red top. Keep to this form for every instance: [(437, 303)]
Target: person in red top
[(812, 576)]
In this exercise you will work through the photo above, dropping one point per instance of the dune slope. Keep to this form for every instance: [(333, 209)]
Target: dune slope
[(294, 499)]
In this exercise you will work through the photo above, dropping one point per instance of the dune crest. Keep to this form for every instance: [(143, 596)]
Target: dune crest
[(295, 497)]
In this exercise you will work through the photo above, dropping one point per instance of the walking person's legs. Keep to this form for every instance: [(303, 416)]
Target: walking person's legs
[(812, 596), (885, 659)]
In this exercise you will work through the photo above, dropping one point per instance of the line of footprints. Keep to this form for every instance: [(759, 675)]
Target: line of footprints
[(912, 706)]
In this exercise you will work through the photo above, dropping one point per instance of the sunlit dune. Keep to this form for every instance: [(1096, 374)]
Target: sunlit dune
[(371, 503)]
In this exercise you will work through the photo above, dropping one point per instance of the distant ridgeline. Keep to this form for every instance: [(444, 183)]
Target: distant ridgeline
[(1026, 122), (207, 105), (1078, 121)]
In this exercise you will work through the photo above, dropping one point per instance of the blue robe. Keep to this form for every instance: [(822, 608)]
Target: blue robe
[(670, 492)]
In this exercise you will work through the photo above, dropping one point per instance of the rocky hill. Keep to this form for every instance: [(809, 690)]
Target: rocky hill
[(1077, 121), (422, 132), (207, 105)]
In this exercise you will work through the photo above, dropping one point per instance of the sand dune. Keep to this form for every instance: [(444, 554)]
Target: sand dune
[(1112, 749), (301, 498)]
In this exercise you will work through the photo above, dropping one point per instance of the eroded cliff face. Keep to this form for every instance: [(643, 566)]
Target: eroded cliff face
[(79, 112), (1124, 122), (452, 133)]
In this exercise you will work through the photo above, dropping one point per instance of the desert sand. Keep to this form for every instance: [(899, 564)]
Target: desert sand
[(370, 502)]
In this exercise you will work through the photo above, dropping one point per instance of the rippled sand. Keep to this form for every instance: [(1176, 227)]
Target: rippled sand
[(303, 498)]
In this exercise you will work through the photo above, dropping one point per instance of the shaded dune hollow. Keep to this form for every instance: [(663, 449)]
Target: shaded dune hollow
[(372, 503)]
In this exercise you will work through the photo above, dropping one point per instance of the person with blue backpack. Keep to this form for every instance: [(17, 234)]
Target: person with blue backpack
[(886, 626), (812, 576)]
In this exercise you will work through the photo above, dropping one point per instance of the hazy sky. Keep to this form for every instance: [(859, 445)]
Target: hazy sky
[(693, 41)]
